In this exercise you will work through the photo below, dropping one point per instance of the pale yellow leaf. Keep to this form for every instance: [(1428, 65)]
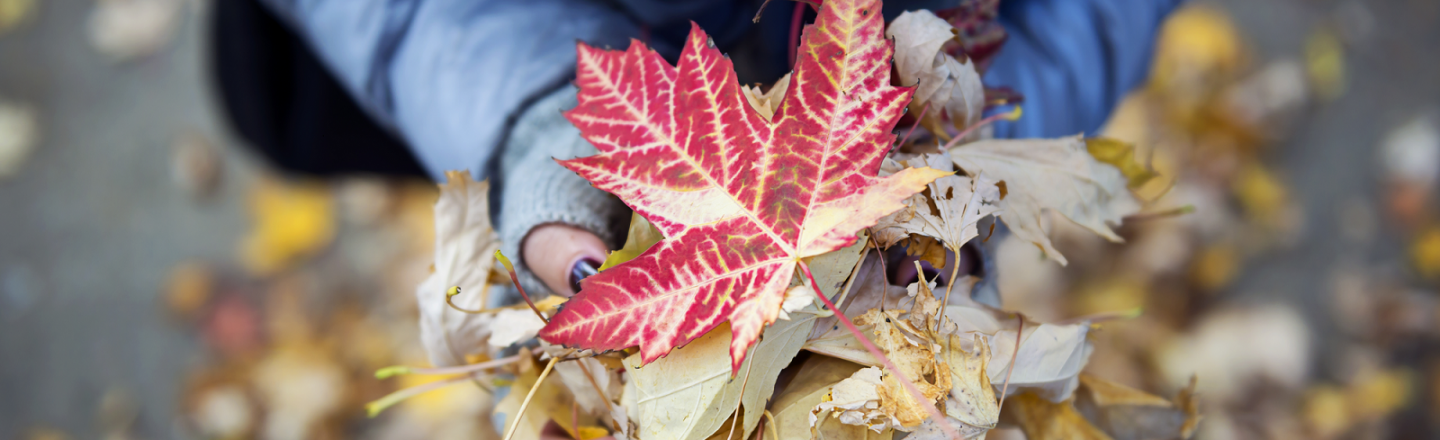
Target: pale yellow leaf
[(465, 244)]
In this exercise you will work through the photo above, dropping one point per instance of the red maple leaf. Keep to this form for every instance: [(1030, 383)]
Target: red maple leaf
[(741, 199)]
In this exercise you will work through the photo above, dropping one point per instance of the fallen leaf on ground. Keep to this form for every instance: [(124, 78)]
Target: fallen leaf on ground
[(740, 199), (19, 132), (292, 220), (128, 29), (1056, 175)]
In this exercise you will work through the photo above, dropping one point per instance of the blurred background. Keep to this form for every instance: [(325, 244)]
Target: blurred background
[(159, 281)]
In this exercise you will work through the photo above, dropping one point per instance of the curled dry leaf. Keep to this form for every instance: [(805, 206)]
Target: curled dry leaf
[(465, 244), (915, 356), (1058, 175), (739, 199), (942, 82), (855, 401), (948, 210)]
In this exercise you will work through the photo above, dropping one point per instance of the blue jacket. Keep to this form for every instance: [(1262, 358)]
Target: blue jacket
[(450, 76)]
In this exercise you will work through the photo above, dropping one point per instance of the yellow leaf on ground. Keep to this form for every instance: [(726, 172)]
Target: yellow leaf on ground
[(292, 220)]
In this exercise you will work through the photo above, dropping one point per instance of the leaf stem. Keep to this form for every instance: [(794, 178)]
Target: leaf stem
[(388, 372), (916, 125), (519, 414), (750, 363), (1019, 332), (948, 287), (516, 280), (875, 351), (598, 390), (374, 408), (1009, 116), (855, 272)]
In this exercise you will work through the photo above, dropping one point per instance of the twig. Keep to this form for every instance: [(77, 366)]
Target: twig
[(760, 11), (519, 414), (875, 351), (515, 279), (1009, 116), (1019, 332)]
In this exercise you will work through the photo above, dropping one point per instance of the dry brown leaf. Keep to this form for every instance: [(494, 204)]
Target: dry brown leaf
[(942, 81), (1129, 414), (947, 211), (1050, 174), (766, 102), (1042, 419), (465, 244), (914, 356)]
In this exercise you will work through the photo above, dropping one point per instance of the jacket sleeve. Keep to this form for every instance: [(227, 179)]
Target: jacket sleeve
[(449, 76), (1074, 60)]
